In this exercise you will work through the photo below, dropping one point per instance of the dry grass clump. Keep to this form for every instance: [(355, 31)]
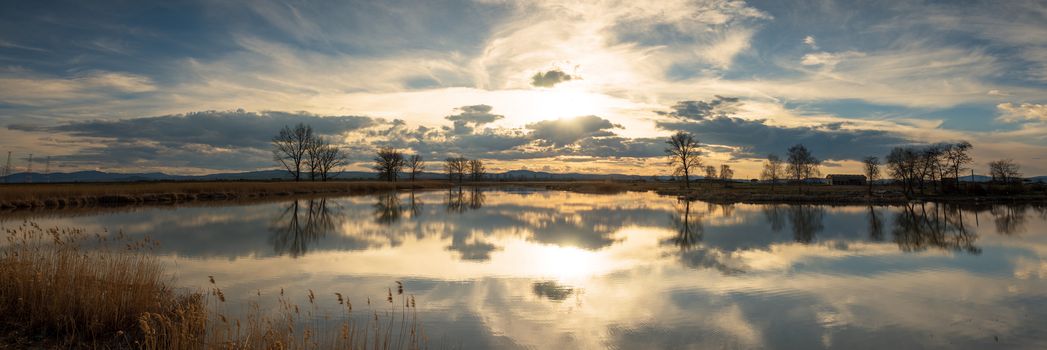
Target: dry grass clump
[(392, 324), (55, 288), (64, 288), (91, 194)]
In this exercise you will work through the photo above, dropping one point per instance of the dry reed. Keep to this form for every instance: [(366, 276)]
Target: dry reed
[(54, 287), (93, 194), (64, 288)]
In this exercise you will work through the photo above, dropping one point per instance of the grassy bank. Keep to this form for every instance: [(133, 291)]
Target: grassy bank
[(81, 195), (64, 288), (115, 194)]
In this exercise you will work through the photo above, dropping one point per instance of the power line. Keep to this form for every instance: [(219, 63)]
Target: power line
[(7, 167), (29, 170), (47, 169)]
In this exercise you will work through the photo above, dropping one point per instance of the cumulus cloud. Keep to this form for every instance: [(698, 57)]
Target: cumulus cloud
[(617, 146), (1025, 112), (756, 138), (550, 78), (138, 155), (698, 110), (203, 140), (828, 59), (565, 131), (809, 41), (476, 114), (214, 128), (471, 117)]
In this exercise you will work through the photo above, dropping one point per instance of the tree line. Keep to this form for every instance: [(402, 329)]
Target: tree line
[(916, 168), (684, 153), (298, 149), (391, 163)]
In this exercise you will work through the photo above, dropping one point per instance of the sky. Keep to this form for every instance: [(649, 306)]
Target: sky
[(201, 86)]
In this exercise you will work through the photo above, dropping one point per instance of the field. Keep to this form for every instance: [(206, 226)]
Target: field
[(79, 195), (115, 194)]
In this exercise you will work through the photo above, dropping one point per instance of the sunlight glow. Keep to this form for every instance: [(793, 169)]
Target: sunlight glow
[(568, 263)]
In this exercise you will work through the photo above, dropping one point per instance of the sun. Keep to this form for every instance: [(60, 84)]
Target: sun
[(568, 263), (566, 100)]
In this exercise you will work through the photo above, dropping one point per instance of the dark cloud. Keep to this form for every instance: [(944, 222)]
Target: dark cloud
[(475, 114), (617, 146), (757, 138), (153, 155), (699, 110), (470, 118), (213, 128), (587, 136), (565, 131), (226, 140), (550, 78)]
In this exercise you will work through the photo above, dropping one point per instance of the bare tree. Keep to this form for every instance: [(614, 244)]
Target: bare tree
[(710, 173), (726, 173), (455, 167), (872, 170), (929, 168), (389, 163), (683, 152), (290, 147), (477, 170), (313, 149), (802, 164), (772, 170), (958, 156), (903, 165), (328, 158), (1004, 170), (415, 164)]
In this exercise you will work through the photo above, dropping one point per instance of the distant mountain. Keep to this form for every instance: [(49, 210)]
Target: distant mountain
[(99, 176), (975, 178)]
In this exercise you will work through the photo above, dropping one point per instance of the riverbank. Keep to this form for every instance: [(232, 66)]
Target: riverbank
[(86, 195), (66, 288), (79, 195), (753, 193)]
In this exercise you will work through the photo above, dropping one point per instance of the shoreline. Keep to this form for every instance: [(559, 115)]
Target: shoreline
[(19, 197)]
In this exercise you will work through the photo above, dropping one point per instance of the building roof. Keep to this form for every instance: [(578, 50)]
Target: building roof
[(844, 176)]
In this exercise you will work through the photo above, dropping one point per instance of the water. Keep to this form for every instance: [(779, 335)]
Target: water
[(540, 269)]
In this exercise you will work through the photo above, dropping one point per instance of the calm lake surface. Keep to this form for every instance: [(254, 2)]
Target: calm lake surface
[(542, 269)]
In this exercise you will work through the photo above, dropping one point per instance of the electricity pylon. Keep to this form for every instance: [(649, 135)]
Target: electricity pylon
[(29, 170), (47, 169), (7, 166)]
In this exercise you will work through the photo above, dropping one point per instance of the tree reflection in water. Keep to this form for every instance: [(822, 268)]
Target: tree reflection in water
[(415, 204), (689, 235), (1009, 219), (458, 202), (875, 224), (775, 215), (806, 221), (689, 229), (918, 227), (388, 209), (297, 227), (468, 247)]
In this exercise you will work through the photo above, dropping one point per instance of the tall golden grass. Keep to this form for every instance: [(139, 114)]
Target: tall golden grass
[(91, 194), (65, 288), (54, 287)]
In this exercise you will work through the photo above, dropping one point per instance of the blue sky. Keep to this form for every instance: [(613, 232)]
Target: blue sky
[(194, 86)]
